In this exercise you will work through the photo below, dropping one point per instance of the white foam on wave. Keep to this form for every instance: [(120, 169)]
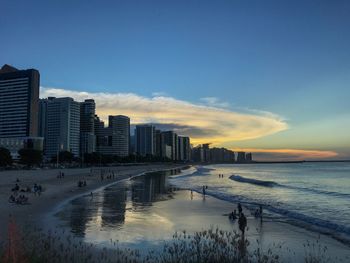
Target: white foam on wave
[(317, 224)]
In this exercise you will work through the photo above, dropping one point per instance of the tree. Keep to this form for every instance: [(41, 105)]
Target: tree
[(30, 157), (5, 157), (66, 157)]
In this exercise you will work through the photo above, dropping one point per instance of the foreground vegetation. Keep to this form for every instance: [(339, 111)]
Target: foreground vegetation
[(212, 246)]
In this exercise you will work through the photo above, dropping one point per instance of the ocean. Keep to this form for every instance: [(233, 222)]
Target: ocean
[(312, 195)]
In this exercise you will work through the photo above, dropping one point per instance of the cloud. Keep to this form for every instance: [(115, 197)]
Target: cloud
[(203, 123), (215, 102), (288, 154), (159, 94)]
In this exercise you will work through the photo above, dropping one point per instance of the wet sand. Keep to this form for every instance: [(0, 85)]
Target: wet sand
[(56, 190), (147, 225)]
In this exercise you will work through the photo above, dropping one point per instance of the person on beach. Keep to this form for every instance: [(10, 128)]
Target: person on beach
[(233, 215), (191, 194), (16, 188), (239, 208), (242, 223), (203, 190), (12, 199), (261, 212)]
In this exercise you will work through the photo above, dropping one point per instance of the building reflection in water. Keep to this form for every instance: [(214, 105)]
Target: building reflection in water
[(107, 208)]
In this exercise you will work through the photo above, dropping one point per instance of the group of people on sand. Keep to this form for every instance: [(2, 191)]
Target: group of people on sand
[(221, 175), (60, 175), (81, 183), (20, 200), (37, 189), (109, 175)]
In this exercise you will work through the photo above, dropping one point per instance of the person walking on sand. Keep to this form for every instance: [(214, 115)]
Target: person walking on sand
[(242, 223), (203, 190), (261, 212)]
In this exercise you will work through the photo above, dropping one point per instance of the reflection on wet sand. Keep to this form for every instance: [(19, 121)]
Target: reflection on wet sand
[(107, 208)]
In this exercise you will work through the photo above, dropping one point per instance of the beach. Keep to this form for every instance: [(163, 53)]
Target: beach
[(143, 211), (56, 190)]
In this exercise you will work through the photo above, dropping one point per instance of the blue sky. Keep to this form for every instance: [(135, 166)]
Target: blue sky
[(288, 58)]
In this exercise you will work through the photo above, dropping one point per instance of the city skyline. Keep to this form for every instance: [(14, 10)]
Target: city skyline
[(285, 97)]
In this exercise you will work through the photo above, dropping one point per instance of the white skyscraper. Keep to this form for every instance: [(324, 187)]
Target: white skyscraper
[(62, 126)]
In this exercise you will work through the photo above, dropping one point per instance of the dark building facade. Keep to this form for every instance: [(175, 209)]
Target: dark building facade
[(87, 127), (19, 99), (145, 135)]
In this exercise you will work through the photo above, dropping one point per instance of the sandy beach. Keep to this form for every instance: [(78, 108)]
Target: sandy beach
[(118, 214), (56, 190), (143, 226)]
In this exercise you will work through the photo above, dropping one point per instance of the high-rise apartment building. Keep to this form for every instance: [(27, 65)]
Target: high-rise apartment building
[(157, 140), (87, 127), (241, 157), (121, 125), (62, 126), (19, 96), (145, 136), (169, 138), (114, 139), (184, 148)]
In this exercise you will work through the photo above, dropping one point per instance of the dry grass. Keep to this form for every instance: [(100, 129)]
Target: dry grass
[(212, 246)]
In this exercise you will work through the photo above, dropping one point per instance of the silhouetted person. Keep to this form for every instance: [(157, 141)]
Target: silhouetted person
[(242, 223), (16, 188), (261, 212), (203, 190), (239, 208), (233, 215)]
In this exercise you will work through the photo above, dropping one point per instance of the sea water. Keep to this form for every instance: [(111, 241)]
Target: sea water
[(312, 195)]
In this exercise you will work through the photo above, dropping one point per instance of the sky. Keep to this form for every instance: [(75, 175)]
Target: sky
[(271, 77)]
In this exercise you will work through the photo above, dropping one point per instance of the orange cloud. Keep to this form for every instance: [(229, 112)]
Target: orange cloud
[(203, 123), (290, 154)]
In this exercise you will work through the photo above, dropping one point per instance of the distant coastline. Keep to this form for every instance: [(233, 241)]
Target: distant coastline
[(276, 162)]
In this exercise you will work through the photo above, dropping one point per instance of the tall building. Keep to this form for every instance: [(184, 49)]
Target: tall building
[(62, 126), (145, 135), (121, 125), (221, 155), (241, 157), (249, 157), (169, 139), (184, 148), (205, 155), (157, 143), (114, 139), (19, 96), (87, 127)]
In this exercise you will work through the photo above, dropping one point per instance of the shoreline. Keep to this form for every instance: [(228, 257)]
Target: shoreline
[(53, 211), (45, 212), (58, 191)]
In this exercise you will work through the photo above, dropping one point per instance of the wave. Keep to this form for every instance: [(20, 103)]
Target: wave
[(194, 171), (242, 179), (299, 219)]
